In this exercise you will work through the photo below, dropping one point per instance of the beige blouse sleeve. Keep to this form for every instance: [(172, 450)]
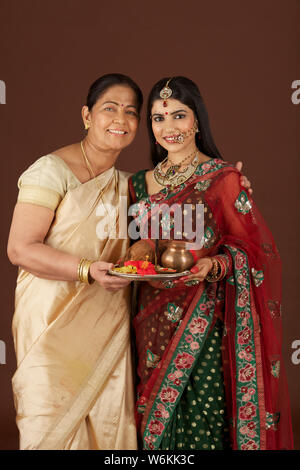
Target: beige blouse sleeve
[(45, 182)]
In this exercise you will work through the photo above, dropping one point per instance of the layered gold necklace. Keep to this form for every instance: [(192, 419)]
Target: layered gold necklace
[(173, 176)]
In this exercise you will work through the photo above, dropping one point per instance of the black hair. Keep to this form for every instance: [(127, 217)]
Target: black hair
[(186, 91), (111, 79)]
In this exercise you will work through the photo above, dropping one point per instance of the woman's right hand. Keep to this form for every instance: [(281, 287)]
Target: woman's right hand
[(98, 271)]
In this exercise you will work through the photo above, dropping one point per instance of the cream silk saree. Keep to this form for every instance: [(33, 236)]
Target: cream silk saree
[(73, 386)]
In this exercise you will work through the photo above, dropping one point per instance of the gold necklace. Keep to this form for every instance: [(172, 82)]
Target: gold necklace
[(180, 163), (90, 169), (174, 168), (89, 166), (172, 177), (102, 190), (87, 163)]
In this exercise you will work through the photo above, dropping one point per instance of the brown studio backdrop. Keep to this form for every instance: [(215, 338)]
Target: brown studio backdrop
[(244, 58)]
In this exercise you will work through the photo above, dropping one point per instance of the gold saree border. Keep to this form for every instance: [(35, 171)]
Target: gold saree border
[(40, 196)]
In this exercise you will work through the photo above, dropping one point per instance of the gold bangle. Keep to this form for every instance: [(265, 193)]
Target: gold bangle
[(86, 277), (215, 273), (79, 268), (84, 271)]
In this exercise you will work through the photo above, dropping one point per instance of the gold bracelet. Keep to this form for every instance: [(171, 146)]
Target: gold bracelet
[(215, 273), (84, 271), (79, 268)]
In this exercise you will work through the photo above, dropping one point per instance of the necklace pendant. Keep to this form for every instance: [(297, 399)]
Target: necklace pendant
[(171, 172)]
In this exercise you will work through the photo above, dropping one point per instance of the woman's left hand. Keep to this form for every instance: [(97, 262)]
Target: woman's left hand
[(199, 271), (244, 180)]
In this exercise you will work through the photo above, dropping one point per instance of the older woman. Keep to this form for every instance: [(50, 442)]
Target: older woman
[(73, 385)]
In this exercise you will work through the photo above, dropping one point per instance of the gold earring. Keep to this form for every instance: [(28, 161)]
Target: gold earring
[(87, 125)]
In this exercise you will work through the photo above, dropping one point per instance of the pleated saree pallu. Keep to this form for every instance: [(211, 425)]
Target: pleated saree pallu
[(73, 385)]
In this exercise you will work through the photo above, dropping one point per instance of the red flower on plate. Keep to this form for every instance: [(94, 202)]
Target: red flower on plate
[(131, 263), (143, 267)]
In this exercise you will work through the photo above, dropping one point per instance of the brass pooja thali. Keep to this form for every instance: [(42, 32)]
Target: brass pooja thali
[(164, 275)]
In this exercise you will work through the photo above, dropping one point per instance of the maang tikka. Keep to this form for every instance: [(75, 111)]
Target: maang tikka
[(166, 92)]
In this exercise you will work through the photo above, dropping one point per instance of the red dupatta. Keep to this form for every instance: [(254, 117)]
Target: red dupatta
[(255, 383)]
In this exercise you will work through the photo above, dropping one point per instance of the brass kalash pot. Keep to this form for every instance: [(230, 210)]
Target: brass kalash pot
[(177, 256)]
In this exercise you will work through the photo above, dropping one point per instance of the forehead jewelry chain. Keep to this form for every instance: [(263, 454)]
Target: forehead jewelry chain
[(166, 92)]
